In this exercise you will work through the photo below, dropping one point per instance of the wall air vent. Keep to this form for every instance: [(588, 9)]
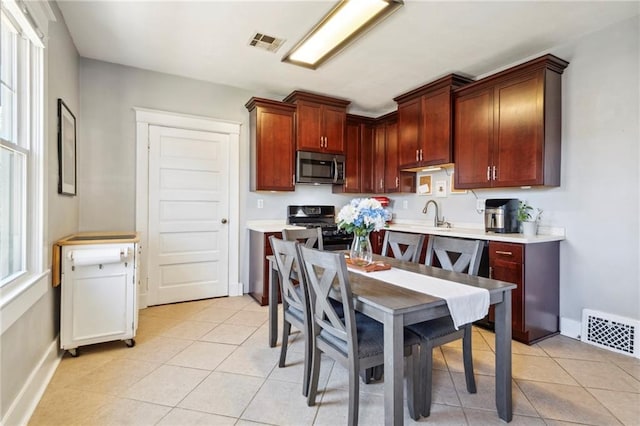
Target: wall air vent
[(266, 42), (611, 332)]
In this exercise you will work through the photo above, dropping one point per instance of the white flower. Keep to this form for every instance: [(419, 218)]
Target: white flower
[(362, 215)]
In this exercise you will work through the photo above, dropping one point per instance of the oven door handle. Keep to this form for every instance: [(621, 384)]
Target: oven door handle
[(335, 170)]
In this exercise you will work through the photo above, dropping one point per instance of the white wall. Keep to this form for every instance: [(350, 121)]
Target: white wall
[(24, 346), (600, 184)]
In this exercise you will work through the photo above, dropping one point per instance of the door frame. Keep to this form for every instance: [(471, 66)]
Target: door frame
[(147, 117)]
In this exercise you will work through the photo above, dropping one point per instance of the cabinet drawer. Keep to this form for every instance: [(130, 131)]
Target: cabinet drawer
[(506, 251)]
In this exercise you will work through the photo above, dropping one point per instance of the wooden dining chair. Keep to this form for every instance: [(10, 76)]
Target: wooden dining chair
[(459, 255), (402, 245), (311, 237), (295, 303), (354, 340)]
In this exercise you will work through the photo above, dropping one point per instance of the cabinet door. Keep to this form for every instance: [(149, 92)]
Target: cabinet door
[(391, 174), (309, 127), (333, 129), (352, 155), (506, 263), (274, 150), (367, 150), (379, 158), (436, 128), (409, 117), (473, 139), (377, 238), (519, 135)]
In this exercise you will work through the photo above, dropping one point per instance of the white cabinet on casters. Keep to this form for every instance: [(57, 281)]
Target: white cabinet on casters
[(98, 294)]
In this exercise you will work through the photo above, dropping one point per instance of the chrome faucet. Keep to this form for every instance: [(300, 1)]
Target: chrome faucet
[(436, 219)]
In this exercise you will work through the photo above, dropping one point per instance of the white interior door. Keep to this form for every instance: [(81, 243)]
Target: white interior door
[(188, 240)]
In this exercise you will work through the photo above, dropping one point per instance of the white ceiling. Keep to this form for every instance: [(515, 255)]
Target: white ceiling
[(419, 43)]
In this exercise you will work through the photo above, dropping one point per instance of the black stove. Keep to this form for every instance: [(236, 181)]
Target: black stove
[(323, 217)]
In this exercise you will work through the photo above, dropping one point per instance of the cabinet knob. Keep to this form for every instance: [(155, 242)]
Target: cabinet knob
[(488, 172), (223, 220), (494, 172)]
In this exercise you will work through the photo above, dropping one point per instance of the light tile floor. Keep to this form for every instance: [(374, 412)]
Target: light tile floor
[(208, 363)]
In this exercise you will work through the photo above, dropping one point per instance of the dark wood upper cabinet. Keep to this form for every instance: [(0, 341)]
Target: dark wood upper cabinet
[(507, 127), (320, 122), (358, 156), (425, 123), (391, 171), (379, 159), (272, 148), (367, 152)]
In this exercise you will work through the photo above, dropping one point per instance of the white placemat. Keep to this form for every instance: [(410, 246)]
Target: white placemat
[(466, 303)]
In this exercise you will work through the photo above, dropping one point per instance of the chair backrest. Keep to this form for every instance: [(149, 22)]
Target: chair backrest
[(293, 295), (413, 243), (321, 270), (311, 237), (446, 249)]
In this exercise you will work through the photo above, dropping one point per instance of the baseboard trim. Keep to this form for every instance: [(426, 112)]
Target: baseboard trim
[(570, 327), (27, 400)]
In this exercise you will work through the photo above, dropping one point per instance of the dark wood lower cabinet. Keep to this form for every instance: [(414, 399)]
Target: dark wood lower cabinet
[(259, 249), (535, 270)]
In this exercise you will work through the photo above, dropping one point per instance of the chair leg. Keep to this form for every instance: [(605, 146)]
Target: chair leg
[(426, 362), (315, 372), (354, 393), (412, 371), (286, 330), (378, 371), (367, 375), (467, 356), (308, 350)]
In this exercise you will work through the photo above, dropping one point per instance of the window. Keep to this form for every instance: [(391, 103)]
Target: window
[(21, 155)]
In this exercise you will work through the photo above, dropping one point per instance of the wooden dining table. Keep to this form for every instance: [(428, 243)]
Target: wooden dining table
[(395, 307)]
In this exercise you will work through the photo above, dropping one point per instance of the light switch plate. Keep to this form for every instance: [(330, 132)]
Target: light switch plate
[(405, 204), (260, 203), (480, 205)]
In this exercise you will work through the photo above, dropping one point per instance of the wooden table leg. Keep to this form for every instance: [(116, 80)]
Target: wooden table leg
[(503, 357), (273, 302), (393, 369)]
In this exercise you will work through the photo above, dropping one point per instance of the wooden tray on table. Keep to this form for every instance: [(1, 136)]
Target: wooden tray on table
[(372, 267)]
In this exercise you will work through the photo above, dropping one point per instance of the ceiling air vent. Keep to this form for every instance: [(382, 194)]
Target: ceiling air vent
[(266, 42)]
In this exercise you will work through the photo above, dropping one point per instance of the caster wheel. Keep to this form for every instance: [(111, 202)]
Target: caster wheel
[(74, 352), (130, 343)]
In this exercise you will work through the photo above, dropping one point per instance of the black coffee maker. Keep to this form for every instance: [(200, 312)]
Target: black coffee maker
[(501, 215)]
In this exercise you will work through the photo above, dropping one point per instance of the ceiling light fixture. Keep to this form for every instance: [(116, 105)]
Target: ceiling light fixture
[(344, 23)]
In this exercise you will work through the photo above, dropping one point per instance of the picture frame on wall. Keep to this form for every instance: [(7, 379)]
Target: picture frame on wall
[(67, 174), (424, 186), (440, 188), (452, 187)]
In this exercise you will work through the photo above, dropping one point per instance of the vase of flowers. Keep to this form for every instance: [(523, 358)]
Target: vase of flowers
[(360, 217)]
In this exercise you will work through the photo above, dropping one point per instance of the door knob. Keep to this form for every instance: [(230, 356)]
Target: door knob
[(224, 220)]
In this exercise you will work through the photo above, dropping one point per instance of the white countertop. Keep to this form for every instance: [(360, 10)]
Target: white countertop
[(421, 227)]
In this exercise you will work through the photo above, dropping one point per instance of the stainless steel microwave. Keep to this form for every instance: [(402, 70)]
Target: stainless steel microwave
[(316, 167)]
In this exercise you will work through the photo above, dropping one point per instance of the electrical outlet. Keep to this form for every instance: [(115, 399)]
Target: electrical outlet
[(405, 204), (260, 203), (480, 205)]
